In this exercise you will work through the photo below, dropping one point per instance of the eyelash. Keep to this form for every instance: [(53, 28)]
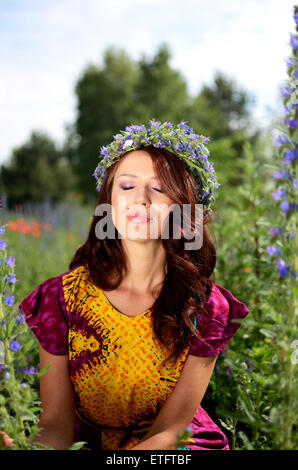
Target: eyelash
[(130, 187)]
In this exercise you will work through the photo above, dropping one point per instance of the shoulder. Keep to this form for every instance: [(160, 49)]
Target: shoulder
[(219, 324), (45, 311), (223, 306)]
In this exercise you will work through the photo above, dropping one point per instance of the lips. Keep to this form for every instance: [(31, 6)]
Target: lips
[(137, 218)]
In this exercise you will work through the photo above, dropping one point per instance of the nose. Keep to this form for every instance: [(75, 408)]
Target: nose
[(142, 197)]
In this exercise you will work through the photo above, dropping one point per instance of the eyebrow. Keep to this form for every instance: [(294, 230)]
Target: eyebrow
[(135, 176)]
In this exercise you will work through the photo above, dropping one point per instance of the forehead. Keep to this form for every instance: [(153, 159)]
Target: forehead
[(135, 161)]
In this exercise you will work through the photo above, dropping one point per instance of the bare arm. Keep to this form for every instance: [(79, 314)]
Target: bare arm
[(181, 406), (58, 409)]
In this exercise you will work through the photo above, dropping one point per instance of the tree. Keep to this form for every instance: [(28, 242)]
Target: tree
[(221, 111), (35, 171), (105, 104), (161, 92)]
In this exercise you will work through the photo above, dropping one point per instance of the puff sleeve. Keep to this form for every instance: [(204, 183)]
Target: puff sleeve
[(217, 328), (45, 313)]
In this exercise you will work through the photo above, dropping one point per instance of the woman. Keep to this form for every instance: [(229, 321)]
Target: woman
[(134, 328)]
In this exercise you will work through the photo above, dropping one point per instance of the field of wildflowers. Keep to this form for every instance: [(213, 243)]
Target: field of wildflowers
[(253, 392)]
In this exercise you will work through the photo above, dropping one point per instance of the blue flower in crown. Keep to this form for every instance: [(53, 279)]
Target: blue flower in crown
[(181, 140)]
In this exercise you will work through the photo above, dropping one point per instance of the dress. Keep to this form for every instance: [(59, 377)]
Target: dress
[(115, 360)]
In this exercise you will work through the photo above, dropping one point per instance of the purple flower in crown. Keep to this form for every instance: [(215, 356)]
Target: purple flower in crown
[(104, 151), (154, 123), (179, 148)]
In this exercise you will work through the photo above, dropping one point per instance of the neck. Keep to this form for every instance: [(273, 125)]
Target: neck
[(146, 265)]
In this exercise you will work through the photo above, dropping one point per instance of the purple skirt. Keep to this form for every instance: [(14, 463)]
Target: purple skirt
[(206, 434)]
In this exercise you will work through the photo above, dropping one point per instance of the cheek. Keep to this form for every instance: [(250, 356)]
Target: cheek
[(119, 207)]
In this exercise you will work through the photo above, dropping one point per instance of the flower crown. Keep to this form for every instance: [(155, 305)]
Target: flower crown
[(180, 140)]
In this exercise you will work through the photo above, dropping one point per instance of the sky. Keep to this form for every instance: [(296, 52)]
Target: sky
[(45, 45)]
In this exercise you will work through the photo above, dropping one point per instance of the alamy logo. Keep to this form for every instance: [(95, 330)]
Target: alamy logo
[(186, 222)]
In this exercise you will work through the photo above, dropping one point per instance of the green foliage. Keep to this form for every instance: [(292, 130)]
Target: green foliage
[(36, 171)]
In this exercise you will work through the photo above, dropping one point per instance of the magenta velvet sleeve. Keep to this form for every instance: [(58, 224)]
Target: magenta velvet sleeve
[(45, 313), (217, 328)]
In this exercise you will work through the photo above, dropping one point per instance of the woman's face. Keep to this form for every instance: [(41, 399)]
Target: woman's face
[(139, 205)]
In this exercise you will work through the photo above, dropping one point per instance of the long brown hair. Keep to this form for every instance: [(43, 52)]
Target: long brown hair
[(188, 271)]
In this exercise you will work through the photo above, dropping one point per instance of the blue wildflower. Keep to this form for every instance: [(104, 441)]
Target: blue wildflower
[(275, 232), (282, 267), (9, 300), (282, 174), (293, 41), (272, 250), (281, 140), (296, 18), (296, 73), (290, 156), (15, 345), (290, 62), (292, 123), (2, 230), (287, 110), (3, 245), (285, 91), (295, 183), (20, 319), (285, 206), (29, 370), (279, 194), (12, 279), (10, 261)]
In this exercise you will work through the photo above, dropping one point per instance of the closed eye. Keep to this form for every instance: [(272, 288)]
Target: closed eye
[(131, 187)]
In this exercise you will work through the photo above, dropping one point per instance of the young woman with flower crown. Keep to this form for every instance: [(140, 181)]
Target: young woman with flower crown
[(134, 328)]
